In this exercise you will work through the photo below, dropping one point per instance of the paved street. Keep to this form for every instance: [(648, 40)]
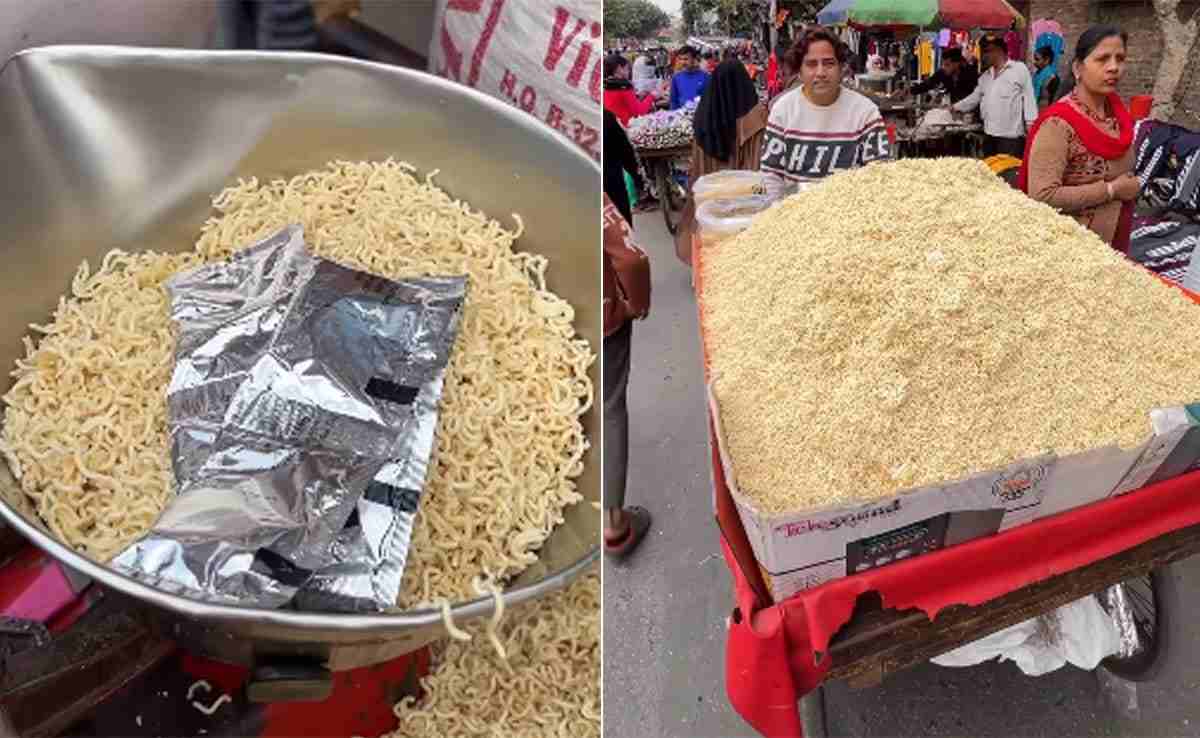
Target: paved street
[(665, 607)]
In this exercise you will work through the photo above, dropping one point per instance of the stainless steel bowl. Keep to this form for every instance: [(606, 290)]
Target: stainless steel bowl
[(111, 147)]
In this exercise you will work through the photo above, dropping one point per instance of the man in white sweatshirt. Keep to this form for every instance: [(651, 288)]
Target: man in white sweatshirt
[(820, 128)]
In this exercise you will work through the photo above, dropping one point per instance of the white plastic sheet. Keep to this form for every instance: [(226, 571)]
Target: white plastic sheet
[(1080, 633)]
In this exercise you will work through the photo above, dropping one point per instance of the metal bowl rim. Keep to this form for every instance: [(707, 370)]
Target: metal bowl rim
[(470, 609)]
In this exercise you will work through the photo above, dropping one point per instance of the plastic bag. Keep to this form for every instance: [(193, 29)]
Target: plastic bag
[(737, 183), (544, 58), (1080, 633), (720, 220)]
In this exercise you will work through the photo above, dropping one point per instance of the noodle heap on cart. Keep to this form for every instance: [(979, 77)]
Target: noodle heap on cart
[(912, 323)]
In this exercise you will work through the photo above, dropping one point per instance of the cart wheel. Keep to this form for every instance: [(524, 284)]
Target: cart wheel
[(1151, 599), (668, 198), (813, 717)]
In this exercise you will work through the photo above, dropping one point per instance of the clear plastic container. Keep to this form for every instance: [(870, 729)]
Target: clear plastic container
[(720, 220), (736, 183)]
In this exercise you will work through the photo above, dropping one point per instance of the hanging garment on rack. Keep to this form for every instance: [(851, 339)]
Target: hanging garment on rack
[(925, 56), (1015, 44), (1044, 25), (943, 38), (1052, 41)]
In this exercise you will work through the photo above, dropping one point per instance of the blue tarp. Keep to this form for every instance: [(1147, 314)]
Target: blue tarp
[(834, 13)]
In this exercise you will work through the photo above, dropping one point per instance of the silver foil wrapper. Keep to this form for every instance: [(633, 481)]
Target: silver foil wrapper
[(1116, 602), (302, 411)]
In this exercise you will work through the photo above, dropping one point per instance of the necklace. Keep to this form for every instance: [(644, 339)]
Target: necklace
[(1088, 109)]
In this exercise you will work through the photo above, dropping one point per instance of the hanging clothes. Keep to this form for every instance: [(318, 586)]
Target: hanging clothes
[(1051, 41), (925, 65), (1044, 25), (943, 39), (1015, 44)]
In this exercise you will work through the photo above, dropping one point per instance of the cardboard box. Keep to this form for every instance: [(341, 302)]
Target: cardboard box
[(800, 550)]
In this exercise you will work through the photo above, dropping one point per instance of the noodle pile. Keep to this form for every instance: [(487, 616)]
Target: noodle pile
[(86, 428), (906, 324), (549, 686)]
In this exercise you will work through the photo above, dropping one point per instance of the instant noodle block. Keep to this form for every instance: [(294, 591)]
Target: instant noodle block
[(914, 354)]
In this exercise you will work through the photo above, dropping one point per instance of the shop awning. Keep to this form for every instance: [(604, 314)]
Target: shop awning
[(921, 13)]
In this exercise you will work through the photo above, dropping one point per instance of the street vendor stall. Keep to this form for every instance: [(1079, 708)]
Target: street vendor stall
[(903, 20), (868, 510), (663, 141)]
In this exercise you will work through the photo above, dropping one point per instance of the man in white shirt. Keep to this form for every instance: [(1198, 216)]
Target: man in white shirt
[(1005, 99), (821, 128), (644, 77)]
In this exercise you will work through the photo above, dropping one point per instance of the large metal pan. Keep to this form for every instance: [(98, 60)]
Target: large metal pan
[(106, 147)]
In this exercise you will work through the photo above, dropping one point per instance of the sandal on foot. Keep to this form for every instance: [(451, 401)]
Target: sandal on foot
[(639, 523)]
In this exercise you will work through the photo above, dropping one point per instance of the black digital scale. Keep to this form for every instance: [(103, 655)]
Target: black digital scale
[(921, 537)]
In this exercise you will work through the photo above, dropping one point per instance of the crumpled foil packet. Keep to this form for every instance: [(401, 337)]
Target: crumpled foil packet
[(302, 411)]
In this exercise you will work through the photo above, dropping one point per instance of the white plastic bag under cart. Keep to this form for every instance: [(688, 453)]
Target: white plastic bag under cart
[(1080, 633)]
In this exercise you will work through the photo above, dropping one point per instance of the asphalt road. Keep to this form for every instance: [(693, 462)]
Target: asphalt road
[(665, 608)]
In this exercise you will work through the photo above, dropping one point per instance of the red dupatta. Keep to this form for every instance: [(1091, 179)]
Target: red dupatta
[(1096, 141)]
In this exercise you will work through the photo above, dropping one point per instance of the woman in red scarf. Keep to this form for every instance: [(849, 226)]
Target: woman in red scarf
[(1079, 158)]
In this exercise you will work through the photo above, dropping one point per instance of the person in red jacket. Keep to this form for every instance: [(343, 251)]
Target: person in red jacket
[(619, 95)]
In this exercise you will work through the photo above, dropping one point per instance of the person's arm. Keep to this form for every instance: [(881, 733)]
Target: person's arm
[(970, 102), (674, 91), (771, 160), (937, 80), (641, 106), (628, 158), (1048, 164), (873, 143), (1030, 100)]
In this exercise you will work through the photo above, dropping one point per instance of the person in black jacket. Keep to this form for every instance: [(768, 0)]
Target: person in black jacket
[(619, 158), (955, 76)]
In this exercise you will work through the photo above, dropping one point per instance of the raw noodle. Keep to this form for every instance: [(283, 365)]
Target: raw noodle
[(549, 687), (85, 423)]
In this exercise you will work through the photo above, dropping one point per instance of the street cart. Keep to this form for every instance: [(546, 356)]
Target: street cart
[(877, 642), (864, 627), (924, 599), (660, 169)]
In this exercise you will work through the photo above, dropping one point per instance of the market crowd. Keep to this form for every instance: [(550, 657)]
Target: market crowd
[(801, 122)]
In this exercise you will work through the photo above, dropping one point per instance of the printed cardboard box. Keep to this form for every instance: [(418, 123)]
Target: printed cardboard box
[(800, 550)]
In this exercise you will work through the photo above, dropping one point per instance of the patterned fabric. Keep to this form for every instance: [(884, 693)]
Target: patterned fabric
[(1166, 248), (1172, 154)]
